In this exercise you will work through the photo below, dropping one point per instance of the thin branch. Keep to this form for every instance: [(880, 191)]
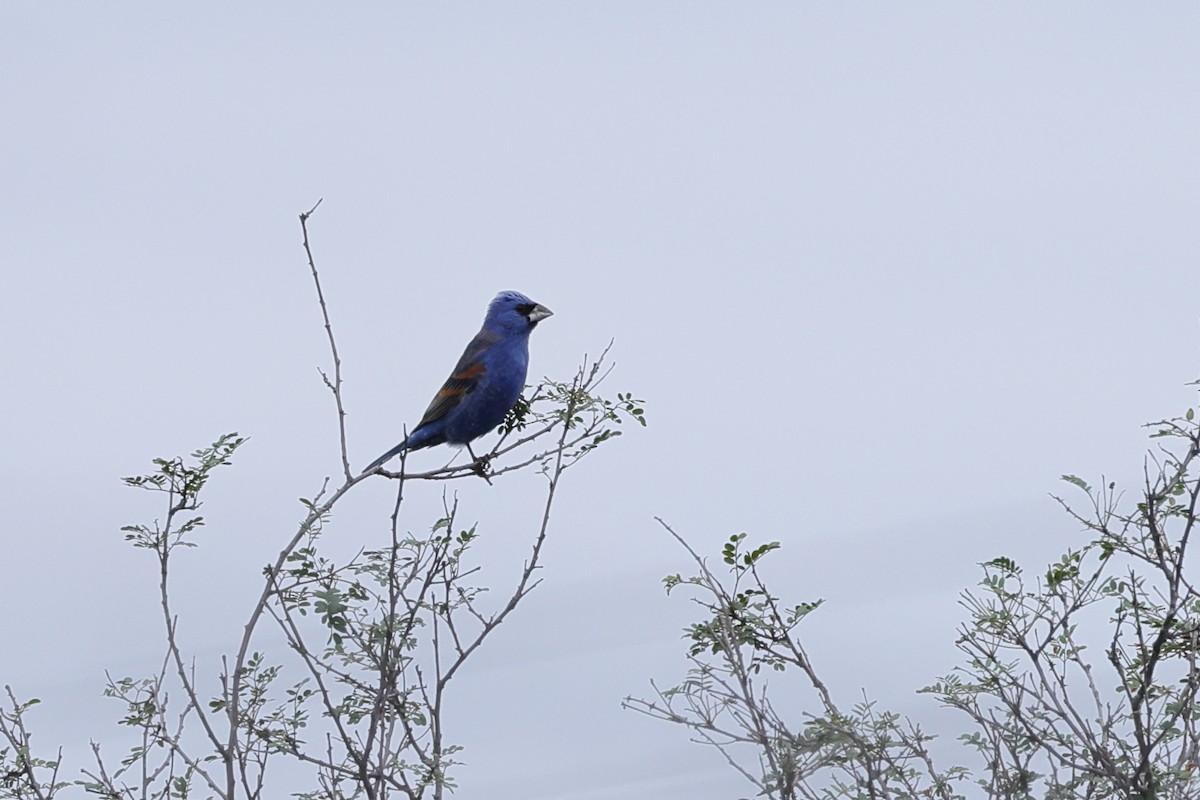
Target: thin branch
[(336, 385)]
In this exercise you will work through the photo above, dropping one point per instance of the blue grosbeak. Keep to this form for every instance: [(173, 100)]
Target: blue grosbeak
[(485, 383)]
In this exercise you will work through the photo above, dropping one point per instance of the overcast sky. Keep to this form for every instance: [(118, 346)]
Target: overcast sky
[(881, 271)]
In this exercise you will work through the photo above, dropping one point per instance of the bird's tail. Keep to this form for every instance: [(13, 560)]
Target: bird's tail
[(397, 449)]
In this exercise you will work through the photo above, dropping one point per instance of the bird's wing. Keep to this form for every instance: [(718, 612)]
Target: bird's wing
[(464, 380)]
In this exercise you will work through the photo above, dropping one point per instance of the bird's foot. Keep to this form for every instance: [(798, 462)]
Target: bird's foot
[(482, 467)]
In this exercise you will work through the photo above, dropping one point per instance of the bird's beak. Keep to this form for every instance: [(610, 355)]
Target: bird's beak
[(539, 313)]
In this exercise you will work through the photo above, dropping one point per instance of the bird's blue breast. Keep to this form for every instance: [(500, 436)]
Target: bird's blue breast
[(506, 364)]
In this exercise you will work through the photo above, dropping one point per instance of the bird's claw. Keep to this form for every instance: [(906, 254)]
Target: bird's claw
[(483, 466)]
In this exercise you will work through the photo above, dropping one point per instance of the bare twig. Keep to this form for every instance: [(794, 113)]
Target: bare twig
[(335, 386)]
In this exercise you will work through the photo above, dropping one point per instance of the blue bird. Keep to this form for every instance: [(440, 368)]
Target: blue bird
[(485, 383)]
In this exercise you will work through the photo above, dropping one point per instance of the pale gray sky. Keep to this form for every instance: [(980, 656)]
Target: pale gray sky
[(881, 271)]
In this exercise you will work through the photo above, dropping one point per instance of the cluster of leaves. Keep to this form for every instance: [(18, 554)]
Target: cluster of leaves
[(724, 701), (1083, 680), (576, 407), (749, 617), (394, 633), (182, 482), (22, 773)]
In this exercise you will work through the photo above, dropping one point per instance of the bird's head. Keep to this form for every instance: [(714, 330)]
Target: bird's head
[(514, 312)]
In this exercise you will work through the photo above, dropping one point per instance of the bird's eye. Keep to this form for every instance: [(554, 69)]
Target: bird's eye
[(525, 309)]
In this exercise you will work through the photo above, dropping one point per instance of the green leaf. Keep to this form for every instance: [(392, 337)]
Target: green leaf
[(1077, 481), (1004, 564)]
